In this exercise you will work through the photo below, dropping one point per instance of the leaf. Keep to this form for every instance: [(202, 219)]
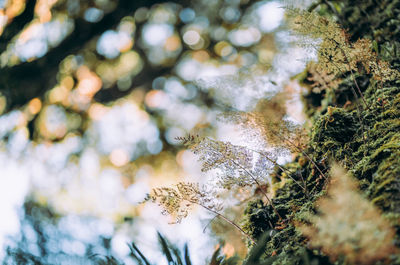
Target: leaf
[(134, 249), (187, 257), (165, 248), (216, 259)]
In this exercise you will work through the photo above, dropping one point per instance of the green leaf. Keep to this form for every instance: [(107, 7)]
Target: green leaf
[(134, 249), (187, 257), (257, 251), (216, 259), (165, 249)]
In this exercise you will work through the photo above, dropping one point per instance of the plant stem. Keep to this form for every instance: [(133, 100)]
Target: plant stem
[(226, 220), (352, 89), (304, 153), (283, 169), (358, 88), (262, 191)]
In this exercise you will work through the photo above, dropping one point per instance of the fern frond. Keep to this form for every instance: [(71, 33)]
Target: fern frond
[(283, 135), (363, 53), (236, 163), (322, 80), (336, 55), (177, 201), (267, 123), (349, 224), (333, 47)]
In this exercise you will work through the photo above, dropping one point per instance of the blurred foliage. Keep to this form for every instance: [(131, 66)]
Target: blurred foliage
[(48, 238), (174, 257), (93, 94)]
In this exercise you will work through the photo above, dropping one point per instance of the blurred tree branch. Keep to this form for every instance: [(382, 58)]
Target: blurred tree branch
[(17, 24), (22, 82)]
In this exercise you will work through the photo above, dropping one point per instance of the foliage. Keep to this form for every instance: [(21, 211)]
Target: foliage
[(364, 139), (237, 165), (321, 79), (174, 257), (361, 236), (342, 233), (171, 253), (73, 79), (268, 125), (371, 155), (336, 54), (333, 51), (178, 201), (366, 142)]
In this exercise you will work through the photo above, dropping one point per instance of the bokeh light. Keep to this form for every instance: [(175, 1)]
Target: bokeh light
[(80, 156)]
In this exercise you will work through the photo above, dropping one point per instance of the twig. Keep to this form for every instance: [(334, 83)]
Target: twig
[(212, 219), (280, 167), (217, 214), (262, 191)]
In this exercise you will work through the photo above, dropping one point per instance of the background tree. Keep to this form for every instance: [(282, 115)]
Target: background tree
[(93, 94)]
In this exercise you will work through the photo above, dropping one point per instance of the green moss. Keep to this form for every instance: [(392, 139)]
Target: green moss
[(385, 188), (365, 139), (371, 153), (332, 131), (255, 221)]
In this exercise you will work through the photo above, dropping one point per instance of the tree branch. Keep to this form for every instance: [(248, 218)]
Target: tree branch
[(32, 79), (17, 24)]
